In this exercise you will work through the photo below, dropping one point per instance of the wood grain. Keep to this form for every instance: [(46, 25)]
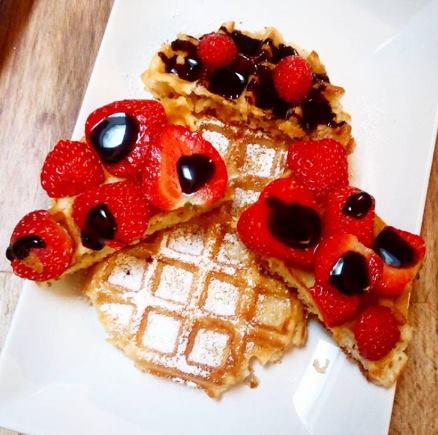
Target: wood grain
[(47, 50)]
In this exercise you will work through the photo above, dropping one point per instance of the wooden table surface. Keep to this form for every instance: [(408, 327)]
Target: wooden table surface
[(47, 51)]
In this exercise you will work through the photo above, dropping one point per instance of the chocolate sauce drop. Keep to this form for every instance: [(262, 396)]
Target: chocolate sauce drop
[(100, 225), (295, 225), (21, 248), (316, 110), (194, 172), (358, 205), (393, 250), (350, 274), (114, 137), (190, 70), (247, 45), (228, 83)]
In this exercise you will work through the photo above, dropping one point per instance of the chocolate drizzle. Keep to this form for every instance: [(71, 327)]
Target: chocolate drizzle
[(393, 250), (100, 225), (194, 172), (21, 248), (295, 225), (251, 74), (358, 205), (350, 274)]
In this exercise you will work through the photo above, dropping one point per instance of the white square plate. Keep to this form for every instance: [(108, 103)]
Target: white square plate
[(57, 373)]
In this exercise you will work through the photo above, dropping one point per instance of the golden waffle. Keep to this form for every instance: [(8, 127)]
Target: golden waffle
[(192, 303), (185, 101)]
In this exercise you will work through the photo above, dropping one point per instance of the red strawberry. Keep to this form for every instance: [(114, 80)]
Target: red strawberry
[(217, 50), (320, 165), (284, 223), (183, 168), (115, 212), (376, 332), (293, 78), (121, 133), (70, 168), (335, 307), (40, 249), (342, 261), (350, 210), (402, 253)]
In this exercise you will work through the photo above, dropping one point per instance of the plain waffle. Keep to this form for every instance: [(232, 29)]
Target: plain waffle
[(192, 303)]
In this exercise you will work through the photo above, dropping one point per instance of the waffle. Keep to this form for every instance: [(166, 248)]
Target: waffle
[(385, 371), (186, 100), (191, 303)]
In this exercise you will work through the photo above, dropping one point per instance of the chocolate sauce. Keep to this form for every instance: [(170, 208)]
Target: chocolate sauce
[(295, 225), (184, 45), (247, 45), (114, 137), (228, 83), (316, 110), (21, 248), (100, 225), (393, 250), (321, 77), (282, 51), (358, 205), (350, 274), (190, 70), (194, 172)]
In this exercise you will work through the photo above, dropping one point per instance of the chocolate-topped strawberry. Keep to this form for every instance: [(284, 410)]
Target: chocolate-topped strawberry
[(284, 223), (121, 133), (346, 264), (40, 249), (183, 168), (115, 214), (350, 210), (402, 253)]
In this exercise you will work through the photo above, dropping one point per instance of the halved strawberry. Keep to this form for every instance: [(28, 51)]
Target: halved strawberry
[(183, 168), (335, 307), (343, 262), (402, 253), (376, 332), (350, 210), (40, 249), (319, 165), (115, 214), (70, 168), (121, 133), (284, 223)]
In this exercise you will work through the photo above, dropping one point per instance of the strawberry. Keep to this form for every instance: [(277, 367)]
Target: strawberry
[(183, 168), (320, 165), (350, 210), (293, 78), (402, 253), (284, 223), (376, 332), (40, 249), (121, 133), (70, 168), (115, 212), (343, 262), (217, 50), (335, 307)]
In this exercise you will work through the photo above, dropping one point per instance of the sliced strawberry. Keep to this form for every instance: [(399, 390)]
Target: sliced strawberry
[(335, 307), (343, 262), (121, 133), (183, 168), (40, 249), (319, 165), (376, 332), (70, 168), (351, 211), (114, 214), (402, 254), (284, 223)]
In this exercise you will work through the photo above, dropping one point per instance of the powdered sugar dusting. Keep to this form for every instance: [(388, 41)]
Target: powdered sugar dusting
[(259, 160), (128, 275), (218, 140), (222, 298), (209, 348)]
